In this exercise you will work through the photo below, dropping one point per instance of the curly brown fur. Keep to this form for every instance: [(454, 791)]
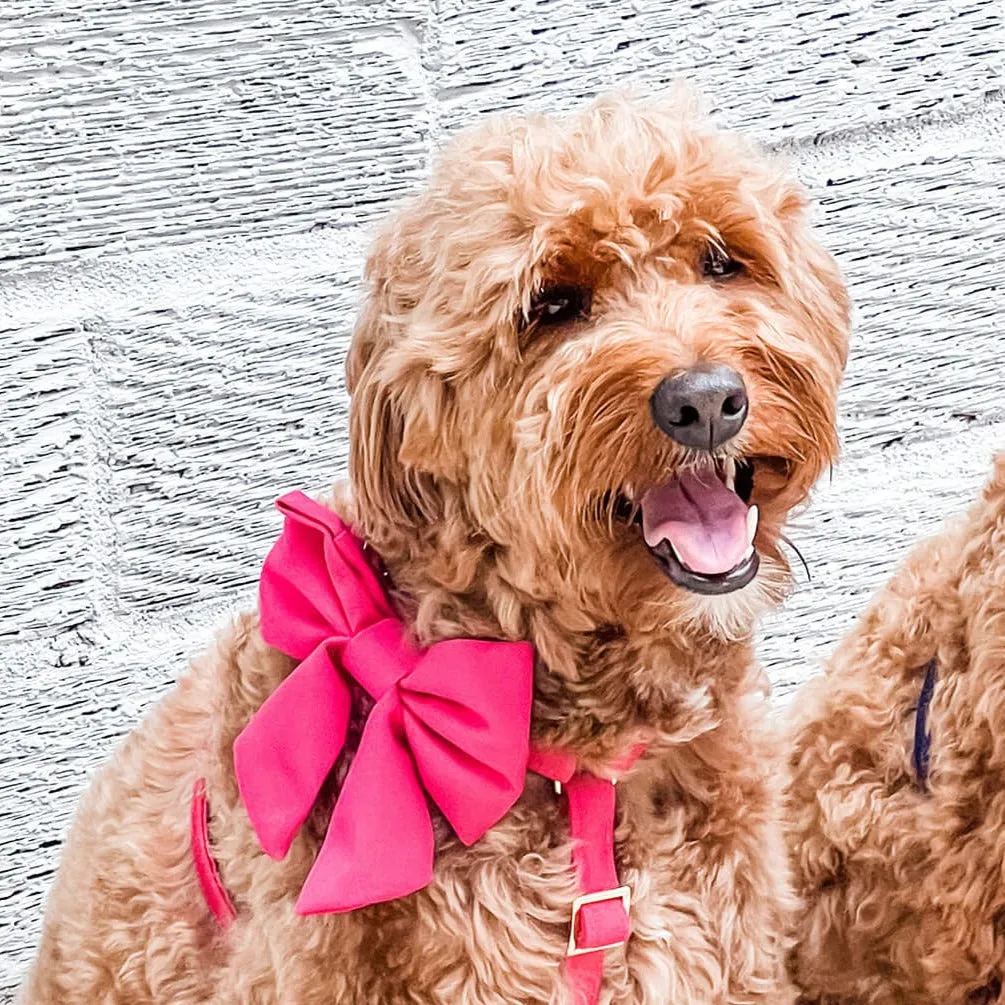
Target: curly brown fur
[(904, 890), (485, 456)]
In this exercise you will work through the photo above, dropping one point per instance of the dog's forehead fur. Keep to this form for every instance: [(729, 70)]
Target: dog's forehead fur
[(519, 203), (618, 174)]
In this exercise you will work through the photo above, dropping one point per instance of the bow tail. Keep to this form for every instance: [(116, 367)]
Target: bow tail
[(284, 754), (379, 844)]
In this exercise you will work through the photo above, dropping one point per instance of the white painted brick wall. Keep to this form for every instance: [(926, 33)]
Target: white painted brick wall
[(162, 290)]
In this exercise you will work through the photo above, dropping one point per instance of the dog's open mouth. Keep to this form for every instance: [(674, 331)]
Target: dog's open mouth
[(700, 528)]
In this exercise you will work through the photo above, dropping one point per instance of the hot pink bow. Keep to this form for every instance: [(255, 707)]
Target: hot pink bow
[(450, 722)]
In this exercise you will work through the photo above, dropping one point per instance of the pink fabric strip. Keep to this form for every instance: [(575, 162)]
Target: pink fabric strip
[(592, 808), (591, 823), (558, 765), (213, 890)]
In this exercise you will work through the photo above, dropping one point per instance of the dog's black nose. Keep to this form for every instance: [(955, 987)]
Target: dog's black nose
[(702, 407)]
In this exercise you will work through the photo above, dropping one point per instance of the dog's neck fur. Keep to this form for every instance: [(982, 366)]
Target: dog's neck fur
[(656, 688)]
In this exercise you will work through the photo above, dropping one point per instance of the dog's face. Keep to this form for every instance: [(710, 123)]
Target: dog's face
[(604, 353)]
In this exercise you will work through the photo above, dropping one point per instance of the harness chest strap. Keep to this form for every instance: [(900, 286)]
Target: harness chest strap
[(600, 914), (207, 872)]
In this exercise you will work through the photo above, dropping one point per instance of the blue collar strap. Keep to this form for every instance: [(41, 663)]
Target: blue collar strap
[(922, 736)]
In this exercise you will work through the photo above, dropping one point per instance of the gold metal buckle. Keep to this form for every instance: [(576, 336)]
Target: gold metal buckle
[(622, 893)]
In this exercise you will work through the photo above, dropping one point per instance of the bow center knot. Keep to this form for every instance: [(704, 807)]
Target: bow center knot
[(380, 656)]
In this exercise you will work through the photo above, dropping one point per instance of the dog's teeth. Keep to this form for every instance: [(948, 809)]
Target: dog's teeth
[(752, 516), (748, 553), (730, 470), (676, 555)]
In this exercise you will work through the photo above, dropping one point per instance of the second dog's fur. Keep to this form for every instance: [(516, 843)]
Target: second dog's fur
[(903, 875), (496, 461)]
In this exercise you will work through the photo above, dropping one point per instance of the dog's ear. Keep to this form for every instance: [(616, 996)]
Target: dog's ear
[(373, 326), (430, 439), (403, 427), (391, 495), (818, 283)]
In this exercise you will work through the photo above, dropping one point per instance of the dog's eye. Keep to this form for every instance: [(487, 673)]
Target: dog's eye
[(554, 305), (716, 264)]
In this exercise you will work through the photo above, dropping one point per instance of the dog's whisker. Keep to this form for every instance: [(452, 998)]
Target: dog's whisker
[(791, 544)]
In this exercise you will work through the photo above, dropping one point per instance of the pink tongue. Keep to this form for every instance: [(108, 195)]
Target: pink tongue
[(704, 521)]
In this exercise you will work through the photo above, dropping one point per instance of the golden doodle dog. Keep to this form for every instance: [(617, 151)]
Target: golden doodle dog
[(596, 368), (897, 801)]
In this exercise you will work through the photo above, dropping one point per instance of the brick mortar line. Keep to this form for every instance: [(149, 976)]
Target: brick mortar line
[(974, 126), (108, 285), (97, 510)]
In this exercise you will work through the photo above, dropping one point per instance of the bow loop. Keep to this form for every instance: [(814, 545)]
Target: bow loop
[(316, 582), (451, 722), (284, 754), (473, 772)]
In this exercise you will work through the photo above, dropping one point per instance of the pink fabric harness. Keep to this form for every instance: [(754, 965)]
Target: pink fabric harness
[(436, 731)]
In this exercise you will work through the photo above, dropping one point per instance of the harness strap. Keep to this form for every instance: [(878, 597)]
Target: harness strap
[(922, 736), (206, 870), (600, 914)]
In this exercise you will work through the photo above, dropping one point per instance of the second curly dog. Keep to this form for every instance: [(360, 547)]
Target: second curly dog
[(897, 803)]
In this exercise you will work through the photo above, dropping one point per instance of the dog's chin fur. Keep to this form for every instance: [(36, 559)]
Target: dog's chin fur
[(488, 451), (902, 882), (732, 617)]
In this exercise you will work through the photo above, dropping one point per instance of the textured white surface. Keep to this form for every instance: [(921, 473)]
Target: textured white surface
[(161, 288)]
